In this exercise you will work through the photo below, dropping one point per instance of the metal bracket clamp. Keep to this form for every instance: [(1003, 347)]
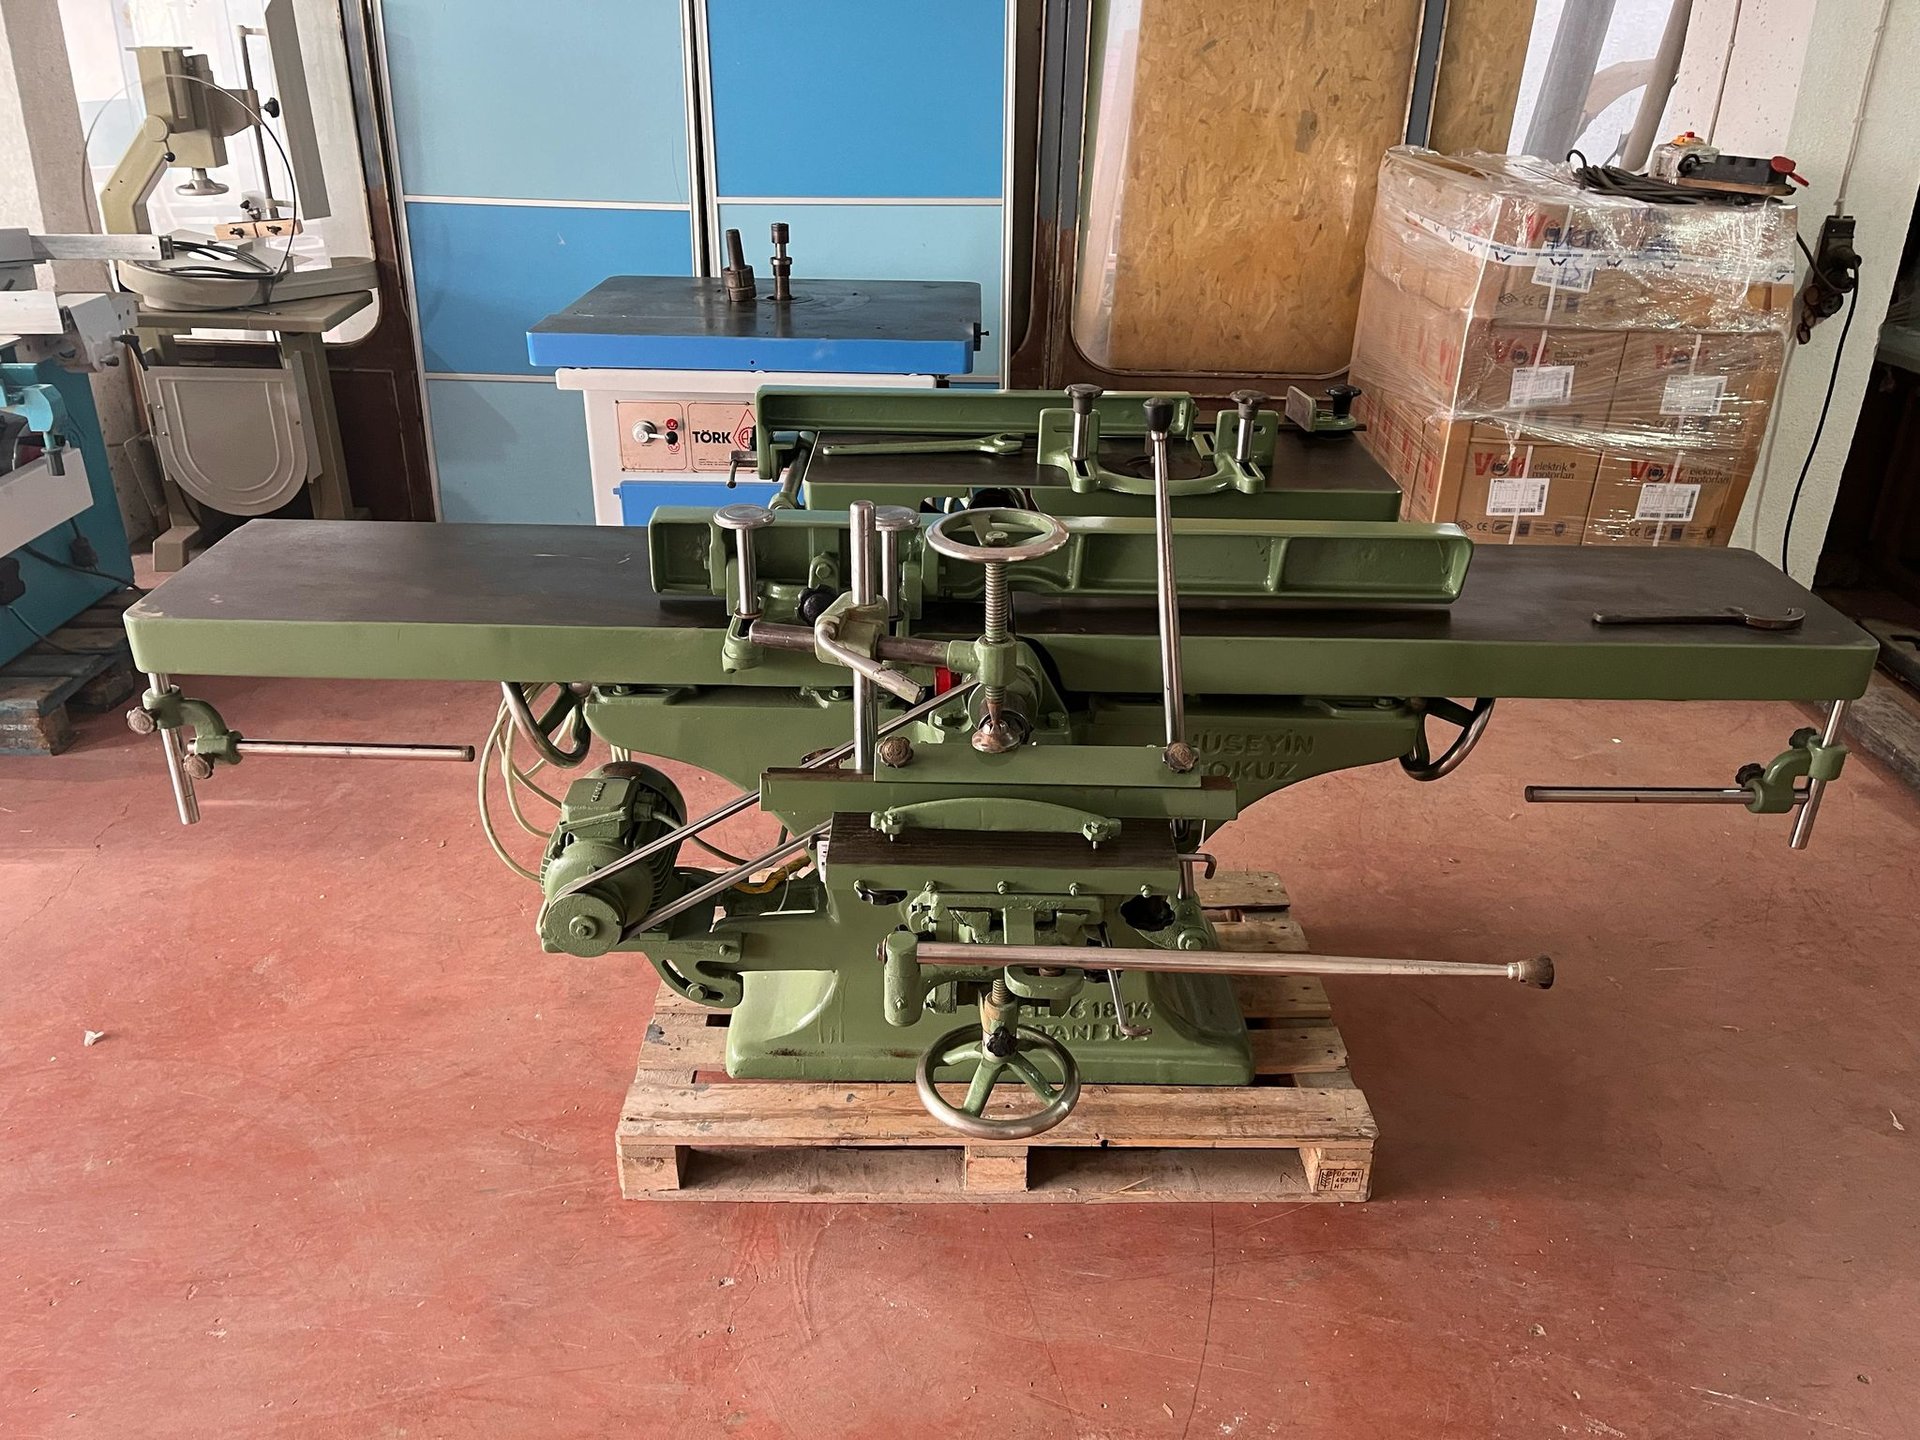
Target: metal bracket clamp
[(849, 634), (1817, 756), (1069, 441), (165, 710)]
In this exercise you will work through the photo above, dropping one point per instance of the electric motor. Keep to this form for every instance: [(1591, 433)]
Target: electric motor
[(604, 817)]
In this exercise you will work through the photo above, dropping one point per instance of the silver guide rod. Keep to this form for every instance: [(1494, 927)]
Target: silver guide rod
[(751, 798), (184, 800), (1537, 971), (1810, 806), (861, 541), (725, 880), (1638, 795), (355, 750), (1172, 685), (908, 649)]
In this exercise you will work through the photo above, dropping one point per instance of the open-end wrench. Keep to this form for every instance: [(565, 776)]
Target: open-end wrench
[(1789, 619)]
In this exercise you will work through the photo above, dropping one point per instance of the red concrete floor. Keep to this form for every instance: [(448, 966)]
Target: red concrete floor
[(343, 1164)]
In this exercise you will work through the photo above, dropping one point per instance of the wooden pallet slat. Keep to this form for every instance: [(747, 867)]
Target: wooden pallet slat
[(1303, 1131), (88, 669)]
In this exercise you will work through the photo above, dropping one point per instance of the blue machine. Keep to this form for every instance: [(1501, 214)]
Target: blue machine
[(668, 366), (65, 546)]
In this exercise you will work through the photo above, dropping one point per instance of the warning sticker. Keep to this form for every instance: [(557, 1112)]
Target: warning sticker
[(1524, 496), (1665, 501), (1540, 385), (1693, 395)]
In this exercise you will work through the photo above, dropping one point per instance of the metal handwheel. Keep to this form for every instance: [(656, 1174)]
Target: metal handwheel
[(956, 1047), (567, 712), (1419, 762), (994, 536)]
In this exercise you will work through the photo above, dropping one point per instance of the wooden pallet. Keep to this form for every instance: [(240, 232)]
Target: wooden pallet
[(88, 669), (1302, 1131)]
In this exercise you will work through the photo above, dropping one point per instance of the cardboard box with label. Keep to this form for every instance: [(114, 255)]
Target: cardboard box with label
[(1501, 487), (1670, 498), (1416, 351), (1705, 390), (1514, 489), (1514, 239)]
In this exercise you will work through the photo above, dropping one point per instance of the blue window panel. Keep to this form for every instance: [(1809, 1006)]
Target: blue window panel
[(889, 242), (858, 97), (484, 274), (509, 450), (504, 99)]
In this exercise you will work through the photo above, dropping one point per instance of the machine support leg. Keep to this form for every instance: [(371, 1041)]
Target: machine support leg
[(184, 799), (1803, 822)]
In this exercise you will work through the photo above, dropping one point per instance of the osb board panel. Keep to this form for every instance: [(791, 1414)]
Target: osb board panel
[(1251, 148), (1480, 63)]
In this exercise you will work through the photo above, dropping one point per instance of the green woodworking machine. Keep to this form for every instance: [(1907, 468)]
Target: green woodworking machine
[(998, 664)]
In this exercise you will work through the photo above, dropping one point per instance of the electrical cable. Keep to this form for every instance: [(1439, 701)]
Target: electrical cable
[(41, 636), (1813, 265), (46, 559), (1612, 180), (511, 779), (293, 189), (1833, 376), (500, 720), (273, 274)]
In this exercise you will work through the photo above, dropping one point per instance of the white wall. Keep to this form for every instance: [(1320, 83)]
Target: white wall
[(1765, 77), (1885, 181), (1758, 47)]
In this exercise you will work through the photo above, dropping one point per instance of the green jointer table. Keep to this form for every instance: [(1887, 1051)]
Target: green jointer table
[(363, 600), (998, 666)]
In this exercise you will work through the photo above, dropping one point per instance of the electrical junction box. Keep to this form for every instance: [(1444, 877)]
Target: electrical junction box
[(667, 368)]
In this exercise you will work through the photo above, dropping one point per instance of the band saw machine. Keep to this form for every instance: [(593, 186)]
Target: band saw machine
[(999, 663)]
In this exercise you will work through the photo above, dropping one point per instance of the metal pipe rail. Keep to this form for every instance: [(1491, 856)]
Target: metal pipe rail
[(355, 750), (1643, 795), (1537, 971)]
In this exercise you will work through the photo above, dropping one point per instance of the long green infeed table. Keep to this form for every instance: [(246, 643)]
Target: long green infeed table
[(368, 600)]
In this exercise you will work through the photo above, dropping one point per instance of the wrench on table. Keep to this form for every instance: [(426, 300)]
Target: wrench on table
[(1789, 619)]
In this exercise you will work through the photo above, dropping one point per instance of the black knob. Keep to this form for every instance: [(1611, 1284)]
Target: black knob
[(779, 232), (1248, 402), (1343, 397), (1082, 398), (1159, 412), (814, 602)]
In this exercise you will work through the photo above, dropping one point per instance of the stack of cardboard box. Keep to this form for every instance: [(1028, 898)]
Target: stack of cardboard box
[(1547, 365)]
